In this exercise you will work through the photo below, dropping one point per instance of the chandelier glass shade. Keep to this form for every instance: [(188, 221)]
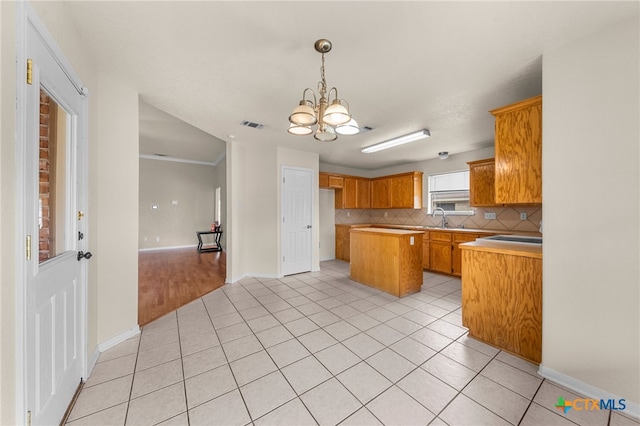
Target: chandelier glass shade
[(330, 113)]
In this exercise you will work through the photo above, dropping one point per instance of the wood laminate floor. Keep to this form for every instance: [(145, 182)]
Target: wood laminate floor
[(168, 279)]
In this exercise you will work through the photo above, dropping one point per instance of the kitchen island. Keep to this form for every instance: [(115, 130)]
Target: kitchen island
[(387, 259)]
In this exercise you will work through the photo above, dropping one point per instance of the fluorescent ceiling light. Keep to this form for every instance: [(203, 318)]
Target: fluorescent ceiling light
[(412, 137)]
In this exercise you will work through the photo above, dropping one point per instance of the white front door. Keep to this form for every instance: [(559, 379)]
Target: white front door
[(55, 231), (297, 189)]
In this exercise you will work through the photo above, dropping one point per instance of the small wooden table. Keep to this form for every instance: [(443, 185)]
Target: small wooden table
[(387, 259), (216, 241)]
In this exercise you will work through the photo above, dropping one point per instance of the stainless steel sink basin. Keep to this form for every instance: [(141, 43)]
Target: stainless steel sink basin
[(515, 239)]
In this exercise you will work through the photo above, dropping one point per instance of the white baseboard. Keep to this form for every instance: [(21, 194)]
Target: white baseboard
[(168, 248), (91, 362), (231, 280), (93, 358), (118, 339), (632, 409)]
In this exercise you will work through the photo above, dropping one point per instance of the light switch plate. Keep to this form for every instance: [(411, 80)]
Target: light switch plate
[(411, 242), (489, 216)]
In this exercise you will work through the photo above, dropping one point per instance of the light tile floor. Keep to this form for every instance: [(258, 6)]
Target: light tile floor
[(318, 348)]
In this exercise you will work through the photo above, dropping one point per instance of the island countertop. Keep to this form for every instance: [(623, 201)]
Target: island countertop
[(516, 249)]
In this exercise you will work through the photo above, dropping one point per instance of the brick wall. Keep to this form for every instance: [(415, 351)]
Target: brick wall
[(45, 177)]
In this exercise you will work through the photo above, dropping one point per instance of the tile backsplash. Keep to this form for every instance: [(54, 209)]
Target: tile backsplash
[(507, 218)]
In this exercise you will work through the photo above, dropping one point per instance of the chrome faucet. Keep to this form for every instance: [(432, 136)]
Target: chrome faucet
[(444, 216)]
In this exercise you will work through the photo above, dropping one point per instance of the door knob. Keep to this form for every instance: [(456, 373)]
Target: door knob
[(308, 226), (82, 254)]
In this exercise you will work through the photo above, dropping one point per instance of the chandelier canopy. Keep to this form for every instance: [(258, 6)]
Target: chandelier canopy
[(330, 115)]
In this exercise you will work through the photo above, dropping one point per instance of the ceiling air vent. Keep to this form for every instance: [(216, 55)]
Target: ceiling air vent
[(252, 124)]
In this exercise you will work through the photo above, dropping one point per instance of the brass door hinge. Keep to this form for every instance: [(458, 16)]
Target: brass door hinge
[(29, 71), (28, 418), (28, 247)]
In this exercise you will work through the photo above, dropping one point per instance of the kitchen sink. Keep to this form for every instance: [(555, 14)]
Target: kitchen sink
[(515, 239)]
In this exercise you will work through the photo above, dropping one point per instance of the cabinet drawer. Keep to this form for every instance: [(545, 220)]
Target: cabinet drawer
[(464, 238), (440, 236), (336, 181)]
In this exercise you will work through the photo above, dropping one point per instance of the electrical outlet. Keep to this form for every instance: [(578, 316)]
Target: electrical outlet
[(489, 216), (386, 214), (348, 214), (523, 216), (411, 241)]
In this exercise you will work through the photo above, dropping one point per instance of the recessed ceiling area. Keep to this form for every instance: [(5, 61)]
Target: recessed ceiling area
[(402, 67), (163, 135)]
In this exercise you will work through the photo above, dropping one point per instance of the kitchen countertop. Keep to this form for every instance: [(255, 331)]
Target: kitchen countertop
[(389, 231), (436, 228), (515, 249)]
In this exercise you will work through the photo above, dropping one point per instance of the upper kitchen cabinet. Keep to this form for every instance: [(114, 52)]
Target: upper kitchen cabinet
[(518, 152), (327, 180), (381, 193), (401, 191), (356, 194), (482, 183), (406, 191)]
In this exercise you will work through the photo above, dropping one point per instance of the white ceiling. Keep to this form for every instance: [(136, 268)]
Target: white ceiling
[(402, 66)]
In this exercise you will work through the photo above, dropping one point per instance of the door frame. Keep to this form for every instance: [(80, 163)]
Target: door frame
[(25, 17), (282, 210)]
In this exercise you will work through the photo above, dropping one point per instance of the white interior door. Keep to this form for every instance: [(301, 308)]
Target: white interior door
[(297, 218), (55, 229)]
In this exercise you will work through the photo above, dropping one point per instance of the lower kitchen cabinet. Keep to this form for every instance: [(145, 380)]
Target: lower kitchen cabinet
[(456, 254), (440, 252), (343, 242), (425, 251), (502, 299)]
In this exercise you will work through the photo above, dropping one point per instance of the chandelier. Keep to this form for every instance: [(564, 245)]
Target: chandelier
[(330, 114)]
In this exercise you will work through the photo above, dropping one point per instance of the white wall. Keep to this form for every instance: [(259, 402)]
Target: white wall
[(591, 163), (7, 213), (192, 186), (252, 183), (115, 214), (253, 177), (327, 216)]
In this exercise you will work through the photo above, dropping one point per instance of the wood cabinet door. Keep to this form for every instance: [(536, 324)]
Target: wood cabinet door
[(349, 193), (440, 256), (456, 253), (343, 245), (323, 180), (363, 193), (518, 153), (381, 193), (425, 254), (482, 183), (336, 181), (402, 192)]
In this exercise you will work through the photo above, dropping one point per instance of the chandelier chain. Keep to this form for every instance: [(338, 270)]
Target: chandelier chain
[(323, 82)]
